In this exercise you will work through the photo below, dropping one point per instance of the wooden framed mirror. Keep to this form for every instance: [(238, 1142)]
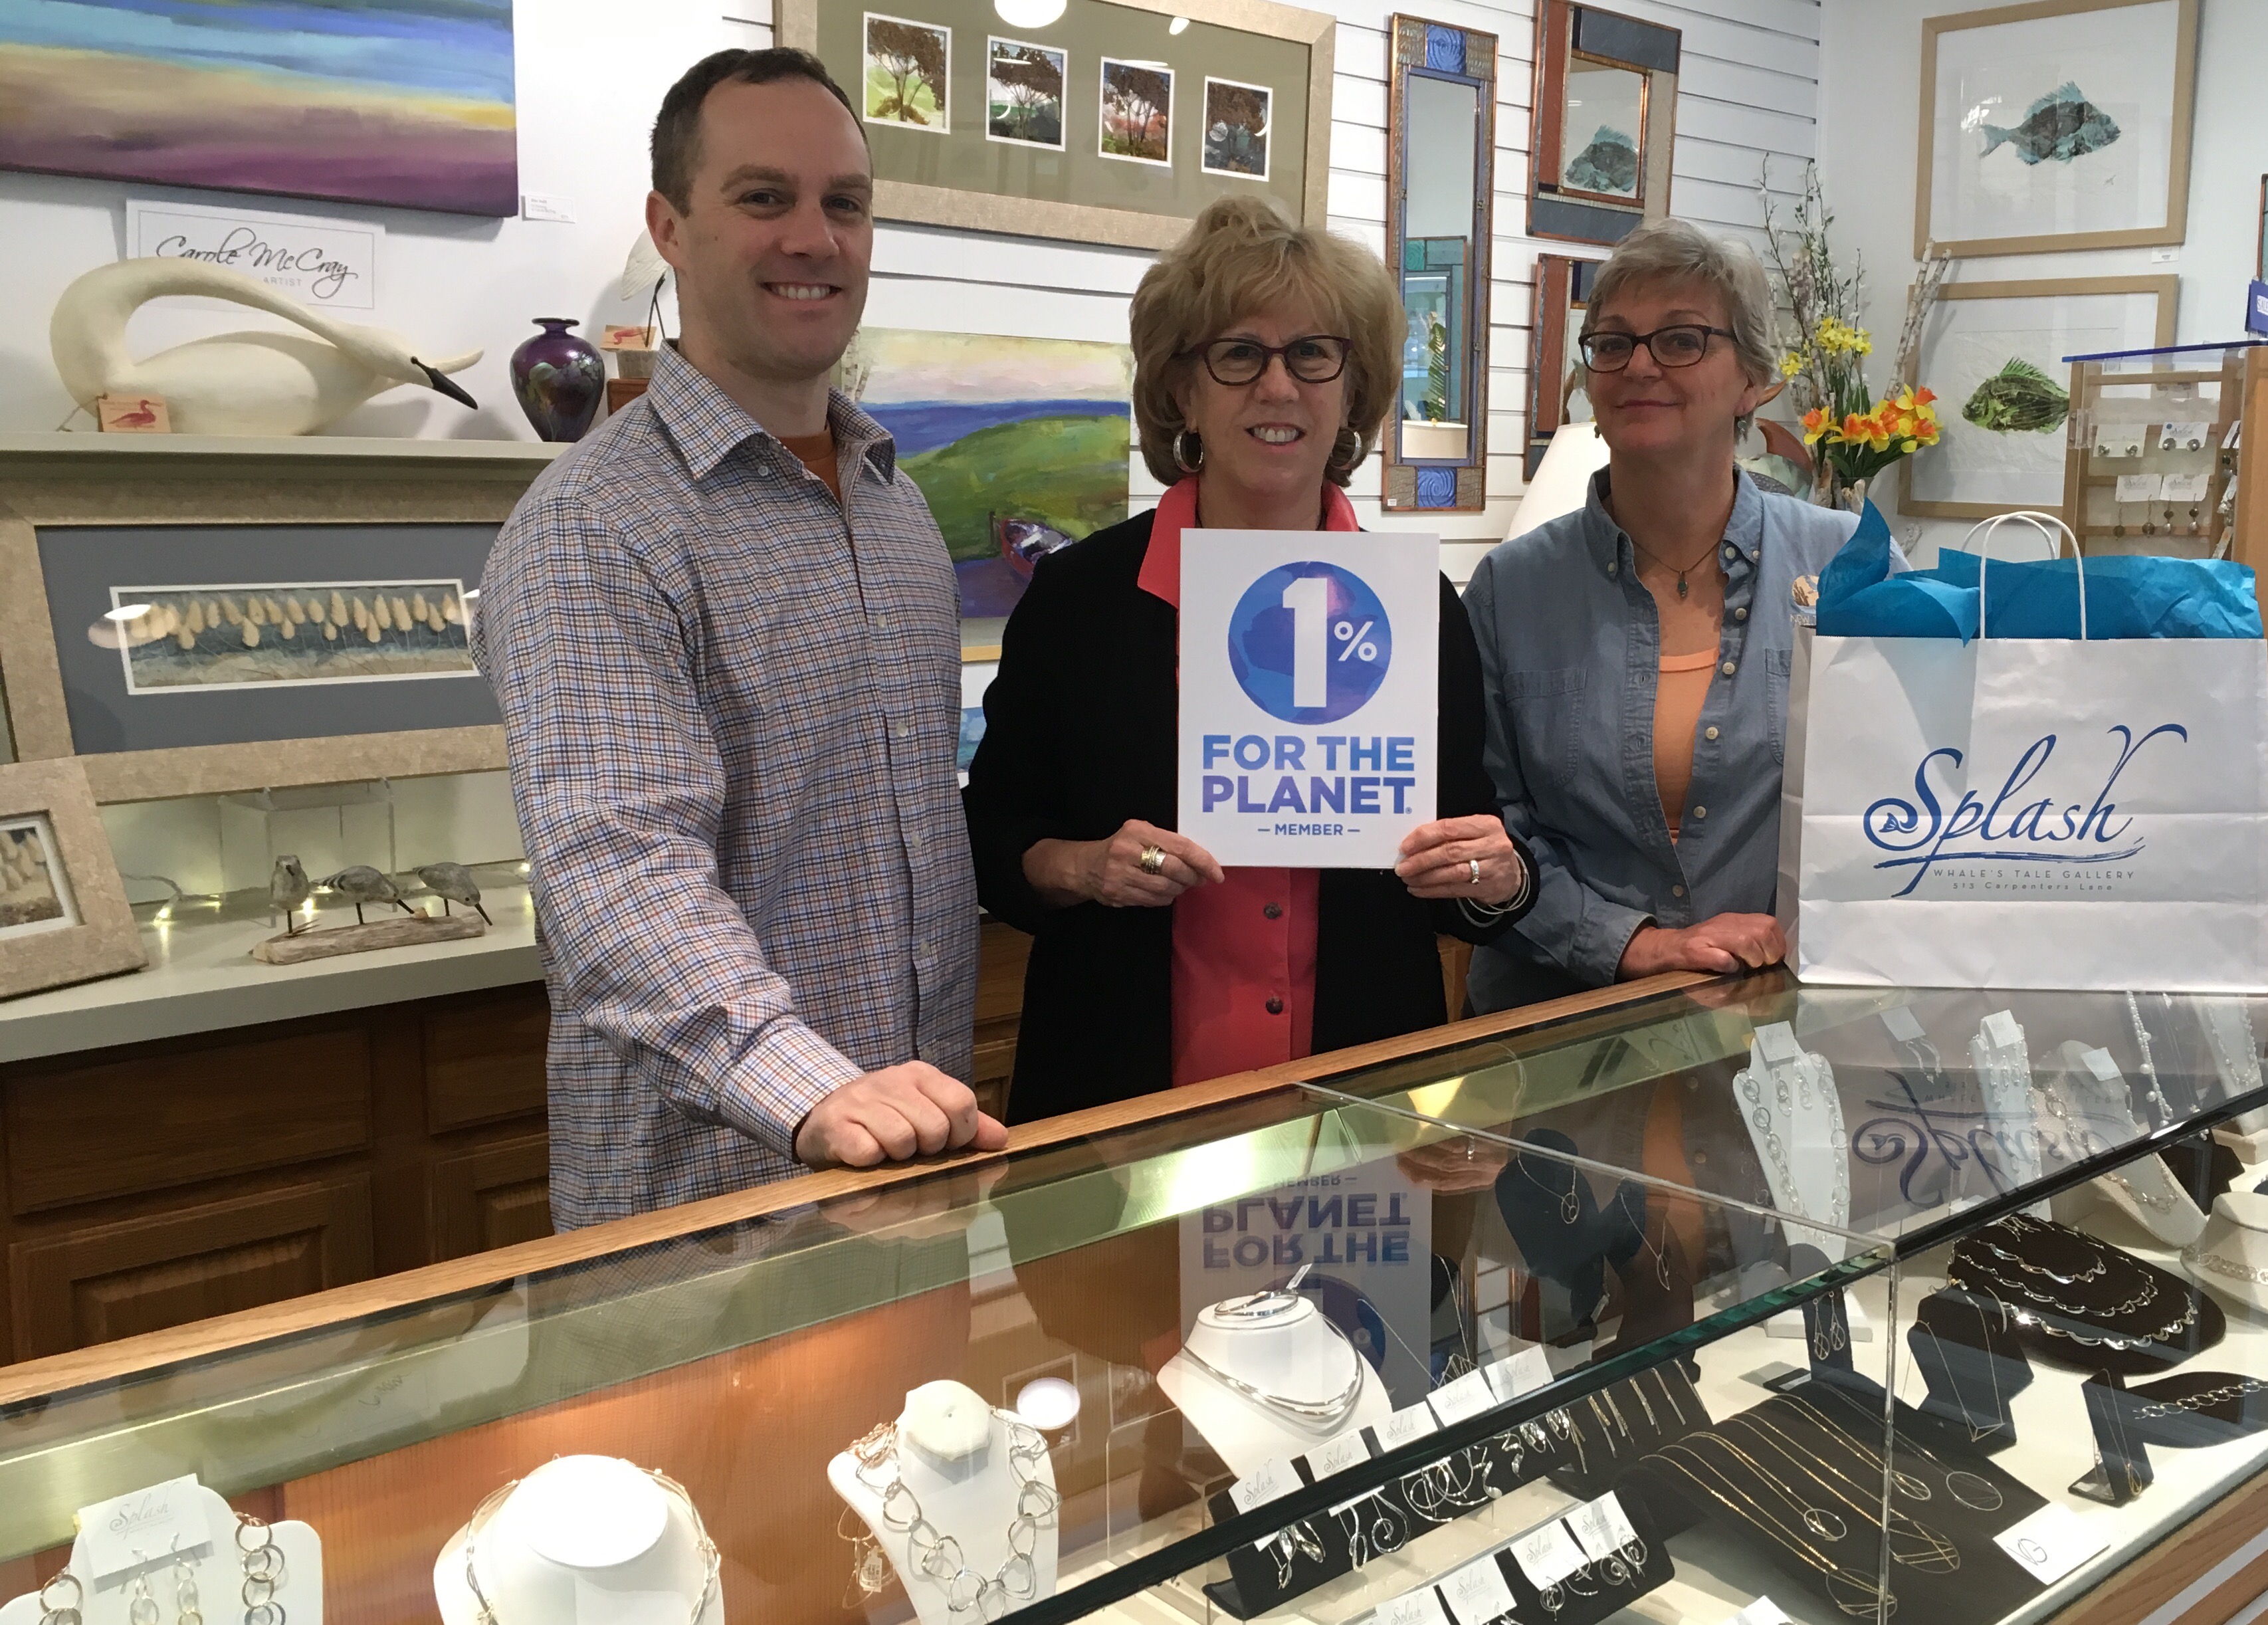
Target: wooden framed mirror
[(1440, 205), (1605, 121)]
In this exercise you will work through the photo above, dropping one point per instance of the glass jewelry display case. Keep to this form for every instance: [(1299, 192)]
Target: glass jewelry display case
[(1698, 1300)]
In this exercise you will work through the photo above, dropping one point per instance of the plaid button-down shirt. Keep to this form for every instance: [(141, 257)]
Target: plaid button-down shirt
[(732, 708)]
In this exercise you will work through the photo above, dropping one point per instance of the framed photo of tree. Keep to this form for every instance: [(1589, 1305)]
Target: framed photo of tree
[(1115, 124)]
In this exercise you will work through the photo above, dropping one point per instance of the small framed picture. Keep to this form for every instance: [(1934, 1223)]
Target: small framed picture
[(1137, 123), (909, 70), (64, 915), (1236, 129), (1024, 93)]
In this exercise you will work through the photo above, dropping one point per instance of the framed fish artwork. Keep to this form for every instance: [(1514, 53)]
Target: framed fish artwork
[(1604, 122), (1996, 354), (2056, 125)]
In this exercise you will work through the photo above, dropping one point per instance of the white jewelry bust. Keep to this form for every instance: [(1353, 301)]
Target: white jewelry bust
[(1281, 1345), (970, 1479), (2231, 1257), (2236, 1051), (591, 1538), (1790, 1106), (2099, 1116)]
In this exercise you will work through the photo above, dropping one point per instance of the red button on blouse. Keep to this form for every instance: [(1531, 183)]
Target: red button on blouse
[(1244, 951)]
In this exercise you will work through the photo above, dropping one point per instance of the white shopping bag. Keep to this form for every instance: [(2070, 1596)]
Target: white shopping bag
[(2028, 812)]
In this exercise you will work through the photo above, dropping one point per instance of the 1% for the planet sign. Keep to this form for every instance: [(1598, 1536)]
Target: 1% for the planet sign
[(1309, 691)]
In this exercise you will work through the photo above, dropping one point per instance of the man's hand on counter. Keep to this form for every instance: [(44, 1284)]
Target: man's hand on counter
[(911, 1110)]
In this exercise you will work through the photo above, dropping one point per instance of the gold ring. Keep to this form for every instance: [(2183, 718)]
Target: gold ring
[(1152, 860)]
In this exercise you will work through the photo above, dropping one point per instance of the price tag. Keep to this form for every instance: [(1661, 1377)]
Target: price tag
[(1268, 1481), (1547, 1554), (1763, 1611), (1337, 1456), (1417, 1607), (1477, 1592), (1404, 1425), (1600, 1528), (1524, 1373), (2051, 1542), (143, 1526), (1467, 1397), (2140, 487)]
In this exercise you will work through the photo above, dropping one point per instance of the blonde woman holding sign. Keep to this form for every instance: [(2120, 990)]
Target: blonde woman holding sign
[(1265, 357)]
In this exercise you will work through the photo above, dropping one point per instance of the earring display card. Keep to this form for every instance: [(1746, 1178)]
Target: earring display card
[(241, 1568)]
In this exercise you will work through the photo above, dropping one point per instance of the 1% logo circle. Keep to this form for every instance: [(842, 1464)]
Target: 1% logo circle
[(1310, 642)]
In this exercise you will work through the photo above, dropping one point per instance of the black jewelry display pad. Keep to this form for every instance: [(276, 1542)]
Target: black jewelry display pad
[(1986, 1584), (2080, 1324), (1261, 1579), (1965, 1348), (1657, 1408)]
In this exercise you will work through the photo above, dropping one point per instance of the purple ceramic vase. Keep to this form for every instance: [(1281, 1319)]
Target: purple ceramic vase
[(559, 380)]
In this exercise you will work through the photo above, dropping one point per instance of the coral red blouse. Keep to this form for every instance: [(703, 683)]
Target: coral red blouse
[(1244, 951)]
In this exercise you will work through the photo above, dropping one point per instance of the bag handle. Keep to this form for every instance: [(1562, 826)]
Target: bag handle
[(2040, 522)]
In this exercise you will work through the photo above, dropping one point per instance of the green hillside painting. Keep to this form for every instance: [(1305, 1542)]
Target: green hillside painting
[(1020, 445)]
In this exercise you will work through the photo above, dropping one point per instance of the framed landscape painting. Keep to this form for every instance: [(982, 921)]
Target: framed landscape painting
[(2056, 125), (1021, 445), (408, 103)]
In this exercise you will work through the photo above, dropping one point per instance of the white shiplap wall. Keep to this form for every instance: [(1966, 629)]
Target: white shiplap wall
[(1748, 88)]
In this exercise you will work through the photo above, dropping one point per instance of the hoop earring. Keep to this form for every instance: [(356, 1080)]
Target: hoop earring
[(1181, 459), (1346, 451)]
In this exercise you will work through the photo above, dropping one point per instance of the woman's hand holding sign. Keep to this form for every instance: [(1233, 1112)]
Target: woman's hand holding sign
[(1470, 857), (1140, 867)]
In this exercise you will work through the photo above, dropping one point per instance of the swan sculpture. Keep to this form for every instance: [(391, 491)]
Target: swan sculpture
[(234, 383)]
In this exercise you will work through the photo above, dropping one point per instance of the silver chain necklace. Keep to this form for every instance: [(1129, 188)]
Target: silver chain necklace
[(939, 1555)]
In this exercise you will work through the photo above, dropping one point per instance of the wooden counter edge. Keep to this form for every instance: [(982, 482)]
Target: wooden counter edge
[(2157, 1574), (110, 1361)]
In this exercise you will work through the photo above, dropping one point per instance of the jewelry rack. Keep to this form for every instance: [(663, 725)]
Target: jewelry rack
[(2151, 459)]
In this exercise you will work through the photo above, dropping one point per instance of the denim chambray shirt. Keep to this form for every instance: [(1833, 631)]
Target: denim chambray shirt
[(1570, 650)]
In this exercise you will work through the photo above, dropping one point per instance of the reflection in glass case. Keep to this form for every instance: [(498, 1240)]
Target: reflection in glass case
[(1943, 1305)]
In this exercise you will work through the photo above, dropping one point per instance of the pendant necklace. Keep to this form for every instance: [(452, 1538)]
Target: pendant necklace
[(1684, 591)]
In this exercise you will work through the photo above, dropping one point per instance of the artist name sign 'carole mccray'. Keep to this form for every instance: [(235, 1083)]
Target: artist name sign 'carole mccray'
[(1310, 694)]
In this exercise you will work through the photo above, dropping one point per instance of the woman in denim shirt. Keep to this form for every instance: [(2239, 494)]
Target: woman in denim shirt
[(1636, 652)]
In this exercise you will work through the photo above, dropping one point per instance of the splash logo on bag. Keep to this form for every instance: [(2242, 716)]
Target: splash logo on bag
[(2044, 830)]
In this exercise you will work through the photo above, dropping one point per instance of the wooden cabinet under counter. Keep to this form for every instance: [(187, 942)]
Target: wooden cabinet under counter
[(150, 1185)]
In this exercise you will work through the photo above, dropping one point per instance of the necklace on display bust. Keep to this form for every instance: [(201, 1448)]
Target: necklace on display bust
[(710, 1563), (938, 1555), (1317, 1416), (1812, 1091)]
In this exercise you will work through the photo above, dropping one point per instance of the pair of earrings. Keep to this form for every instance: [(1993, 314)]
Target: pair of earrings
[(143, 1609)]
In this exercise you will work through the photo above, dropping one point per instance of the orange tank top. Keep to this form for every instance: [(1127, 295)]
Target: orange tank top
[(1678, 694)]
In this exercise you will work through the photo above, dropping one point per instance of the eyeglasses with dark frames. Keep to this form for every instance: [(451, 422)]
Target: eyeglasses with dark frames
[(1316, 359), (1681, 344)]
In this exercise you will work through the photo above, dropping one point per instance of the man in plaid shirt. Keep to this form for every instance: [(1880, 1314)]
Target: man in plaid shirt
[(725, 636)]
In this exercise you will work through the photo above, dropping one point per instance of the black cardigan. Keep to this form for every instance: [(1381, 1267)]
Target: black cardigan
[(1080, 736)]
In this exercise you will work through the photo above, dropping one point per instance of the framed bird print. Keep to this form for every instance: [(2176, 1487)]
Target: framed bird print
[(1605, 119), (188, 659), (2056, 125), (63, 914)]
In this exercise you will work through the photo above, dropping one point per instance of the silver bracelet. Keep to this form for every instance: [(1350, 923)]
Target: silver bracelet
[(1488, 913)]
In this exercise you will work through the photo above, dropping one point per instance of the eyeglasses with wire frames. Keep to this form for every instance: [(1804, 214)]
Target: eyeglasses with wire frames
[(1316, 358), (1681, 344)]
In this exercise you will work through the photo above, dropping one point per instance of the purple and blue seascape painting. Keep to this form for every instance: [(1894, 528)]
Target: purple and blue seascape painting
[(407, 103)]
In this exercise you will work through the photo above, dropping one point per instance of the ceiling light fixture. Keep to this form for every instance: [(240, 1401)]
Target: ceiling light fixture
[(1028, 13)]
